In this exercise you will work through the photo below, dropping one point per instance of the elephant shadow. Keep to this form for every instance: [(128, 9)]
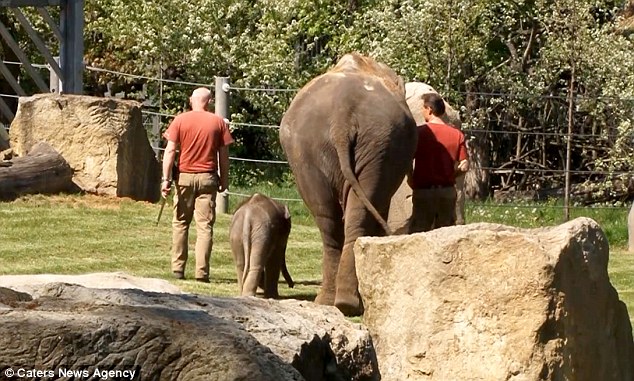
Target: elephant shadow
[(225, 280), (308, 295)]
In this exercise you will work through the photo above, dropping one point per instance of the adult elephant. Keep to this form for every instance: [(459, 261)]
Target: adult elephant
[(349, 138)]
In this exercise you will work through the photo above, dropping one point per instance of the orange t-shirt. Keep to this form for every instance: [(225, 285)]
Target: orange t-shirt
[(440, 146), (200, 134)]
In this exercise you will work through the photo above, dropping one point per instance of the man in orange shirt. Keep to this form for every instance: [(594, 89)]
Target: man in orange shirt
[(441, 153), (203, 167)]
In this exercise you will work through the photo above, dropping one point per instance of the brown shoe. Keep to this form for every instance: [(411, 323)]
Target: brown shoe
[(179, 275), (203, 280)]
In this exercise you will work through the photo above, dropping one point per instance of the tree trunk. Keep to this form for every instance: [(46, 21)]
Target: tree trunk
[(477, 178), (42, 170)]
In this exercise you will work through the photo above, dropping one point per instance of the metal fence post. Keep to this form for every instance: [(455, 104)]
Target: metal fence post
[(72, 46), (54, 83), (155, 136), (221, 108)]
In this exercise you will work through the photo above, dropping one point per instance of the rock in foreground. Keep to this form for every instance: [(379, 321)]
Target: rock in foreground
[(491, 302), (180, 337)]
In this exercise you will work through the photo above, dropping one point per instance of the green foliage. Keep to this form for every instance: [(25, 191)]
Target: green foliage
[(471, 51)]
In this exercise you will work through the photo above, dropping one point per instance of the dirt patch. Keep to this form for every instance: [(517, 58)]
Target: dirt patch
[(77, 201)]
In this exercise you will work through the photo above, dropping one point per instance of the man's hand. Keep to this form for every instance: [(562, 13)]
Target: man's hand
[(222, 186), (166, 185), (463, 166)]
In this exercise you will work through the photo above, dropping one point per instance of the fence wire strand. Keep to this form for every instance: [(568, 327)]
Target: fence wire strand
[(499, 170)]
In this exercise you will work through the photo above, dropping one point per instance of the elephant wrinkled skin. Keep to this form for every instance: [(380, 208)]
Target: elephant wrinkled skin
[(349, 138), (258, 235)]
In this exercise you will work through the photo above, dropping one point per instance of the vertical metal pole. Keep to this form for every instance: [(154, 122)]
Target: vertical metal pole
[(72, 45), (54, 83), (571, 115), (155, 136), (221, 108)]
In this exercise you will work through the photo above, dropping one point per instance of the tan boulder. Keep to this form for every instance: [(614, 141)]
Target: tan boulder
[(166, 336), (102, 139), (414, 92), (492, 302), (400, 209)]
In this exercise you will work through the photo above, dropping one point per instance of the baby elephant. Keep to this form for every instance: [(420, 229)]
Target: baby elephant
[(258, 234)]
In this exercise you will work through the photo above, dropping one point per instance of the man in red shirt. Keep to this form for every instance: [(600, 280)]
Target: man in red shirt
[(203, 167), (441, 153)]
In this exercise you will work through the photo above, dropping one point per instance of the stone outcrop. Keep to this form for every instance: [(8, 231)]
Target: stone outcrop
[(414, 92), (102, 139), (492, 302), (400, 209), (181, 337)]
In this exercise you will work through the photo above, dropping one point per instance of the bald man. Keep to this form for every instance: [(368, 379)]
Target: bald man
[(203, 167)]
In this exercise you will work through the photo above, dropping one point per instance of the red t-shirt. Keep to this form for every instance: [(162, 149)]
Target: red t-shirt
[(200, 134), (440, 146)]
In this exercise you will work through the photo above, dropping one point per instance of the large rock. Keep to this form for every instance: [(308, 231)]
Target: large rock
[(181, 337), (400, 209), (414, 92), (102, 139), (492, 302)]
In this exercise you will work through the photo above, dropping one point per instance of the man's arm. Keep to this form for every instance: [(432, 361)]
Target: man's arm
[(463, 156), (168, 161), (223, 162)]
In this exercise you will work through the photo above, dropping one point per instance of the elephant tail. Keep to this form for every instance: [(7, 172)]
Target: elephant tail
[(345, 161), (246, 246), (285, 273)]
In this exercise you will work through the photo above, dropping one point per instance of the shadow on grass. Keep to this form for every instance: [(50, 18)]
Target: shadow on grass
[(305, 297), (306, 282), (225, 280)]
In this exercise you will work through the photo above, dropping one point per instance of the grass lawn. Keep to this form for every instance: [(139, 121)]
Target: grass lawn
[(79, 234)]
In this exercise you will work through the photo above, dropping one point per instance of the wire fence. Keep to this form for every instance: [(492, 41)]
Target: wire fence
[(155, 122)]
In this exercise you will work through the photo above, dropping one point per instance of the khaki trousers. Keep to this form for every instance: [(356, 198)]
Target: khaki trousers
[(433, 208), (195, 197)]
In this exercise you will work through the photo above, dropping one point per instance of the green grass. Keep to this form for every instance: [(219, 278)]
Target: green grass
[(77, 234)]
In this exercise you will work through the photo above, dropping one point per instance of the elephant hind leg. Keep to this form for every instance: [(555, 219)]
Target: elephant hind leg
[(348, 300), (254, 268), (332, 238), (358, 222), (271, 277), (317, 192)]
